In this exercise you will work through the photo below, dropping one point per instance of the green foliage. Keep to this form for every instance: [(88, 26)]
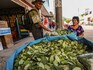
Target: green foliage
[(67, 20), (55, 55), (59, 32)]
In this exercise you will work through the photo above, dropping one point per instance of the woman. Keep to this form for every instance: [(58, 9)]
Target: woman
[(76, 27)]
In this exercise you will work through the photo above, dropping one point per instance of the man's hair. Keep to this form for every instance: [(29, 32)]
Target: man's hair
[(75, 17)]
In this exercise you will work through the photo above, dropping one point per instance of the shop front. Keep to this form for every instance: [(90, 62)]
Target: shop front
[(12, 12), (11, 19)]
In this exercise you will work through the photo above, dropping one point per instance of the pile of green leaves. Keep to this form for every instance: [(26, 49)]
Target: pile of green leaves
[(63, 32), (59, 32), (55, 55)]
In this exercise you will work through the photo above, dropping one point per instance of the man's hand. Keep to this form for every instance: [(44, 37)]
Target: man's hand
[(42, 25)]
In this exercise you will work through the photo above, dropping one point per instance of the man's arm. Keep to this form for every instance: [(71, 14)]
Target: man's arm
[(42, 25), (36, 19), (82, 32)]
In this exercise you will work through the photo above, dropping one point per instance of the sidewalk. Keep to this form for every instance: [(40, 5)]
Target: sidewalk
[(88, 32), (4, 54), (87, 27)]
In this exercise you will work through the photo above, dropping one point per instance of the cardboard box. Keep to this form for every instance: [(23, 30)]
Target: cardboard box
[(3, 24), (8, 40)]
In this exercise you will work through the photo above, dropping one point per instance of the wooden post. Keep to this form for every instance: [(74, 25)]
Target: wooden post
[(58, 8)]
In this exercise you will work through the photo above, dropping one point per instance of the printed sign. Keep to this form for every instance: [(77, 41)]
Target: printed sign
[(5, 31)]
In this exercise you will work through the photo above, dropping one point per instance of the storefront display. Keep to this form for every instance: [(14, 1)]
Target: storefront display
[(11, 13), (10, 16), (3, 24)]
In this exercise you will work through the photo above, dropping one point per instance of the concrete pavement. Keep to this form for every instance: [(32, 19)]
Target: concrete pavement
[(4, 54), (88, 32), (87, 27)]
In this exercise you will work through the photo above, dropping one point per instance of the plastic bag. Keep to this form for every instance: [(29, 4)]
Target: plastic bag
[(86, 60)]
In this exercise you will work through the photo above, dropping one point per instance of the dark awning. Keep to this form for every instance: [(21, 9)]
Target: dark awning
[(7, 4)]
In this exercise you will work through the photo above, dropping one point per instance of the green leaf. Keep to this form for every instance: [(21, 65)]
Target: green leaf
[(19, 68), (77, 68), (29, 52), (29, 47), (43, 59), (66, 67), (41, 65), (55, 63), (57, 58), (26, 62), (47, 67), (38, 59), (26, 67), (21, 61), (51, 58)]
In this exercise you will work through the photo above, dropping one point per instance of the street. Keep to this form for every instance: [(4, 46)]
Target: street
[(88, 32), (4, 54)]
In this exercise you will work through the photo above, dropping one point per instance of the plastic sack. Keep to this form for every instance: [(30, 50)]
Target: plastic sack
[(86, 42), (10, 61), (86, 60)]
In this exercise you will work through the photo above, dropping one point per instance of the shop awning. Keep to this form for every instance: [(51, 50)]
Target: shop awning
[(7, 4), (19, 3), (27, 4)]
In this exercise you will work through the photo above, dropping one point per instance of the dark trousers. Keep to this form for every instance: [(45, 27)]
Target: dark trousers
[(37, 33)]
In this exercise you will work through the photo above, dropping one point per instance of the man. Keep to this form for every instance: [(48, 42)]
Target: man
[(34, 15)]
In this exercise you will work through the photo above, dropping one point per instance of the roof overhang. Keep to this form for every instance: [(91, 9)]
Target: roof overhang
[(27, 3), (19, 3), (23, 3), (7, 4)]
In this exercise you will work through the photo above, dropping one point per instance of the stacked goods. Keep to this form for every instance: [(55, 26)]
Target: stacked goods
[(59, 32), (55, 55)]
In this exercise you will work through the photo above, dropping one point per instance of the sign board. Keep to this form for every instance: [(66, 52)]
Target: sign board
[(5, 31), (3, 24)]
